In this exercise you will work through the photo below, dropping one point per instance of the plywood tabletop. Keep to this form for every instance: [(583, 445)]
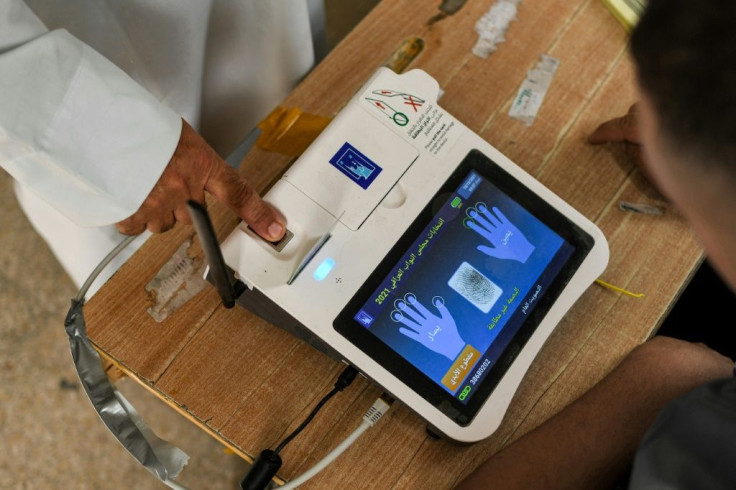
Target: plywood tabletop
[(249, 383)]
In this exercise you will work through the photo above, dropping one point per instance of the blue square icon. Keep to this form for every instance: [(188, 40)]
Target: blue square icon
[(364, 318), (358, 167)]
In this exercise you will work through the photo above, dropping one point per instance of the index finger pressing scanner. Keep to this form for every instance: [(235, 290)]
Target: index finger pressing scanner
[(419, 254)]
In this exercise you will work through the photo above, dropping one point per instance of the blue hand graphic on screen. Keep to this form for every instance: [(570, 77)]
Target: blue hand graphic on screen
[(437, 333), (508, 242)]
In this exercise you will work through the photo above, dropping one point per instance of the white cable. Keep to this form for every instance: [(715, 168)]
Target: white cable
[(96, 271), (329, 458), (373, 415), (172, 484)]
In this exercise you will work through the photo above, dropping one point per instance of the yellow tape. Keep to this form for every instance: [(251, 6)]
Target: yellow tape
[(618, 289), (290, 131)]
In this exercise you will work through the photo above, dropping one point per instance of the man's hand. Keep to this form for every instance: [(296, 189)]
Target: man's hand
[(193, 169), (622, 129), (625, 129)]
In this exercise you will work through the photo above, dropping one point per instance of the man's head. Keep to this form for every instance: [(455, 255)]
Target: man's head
[(685, 53)]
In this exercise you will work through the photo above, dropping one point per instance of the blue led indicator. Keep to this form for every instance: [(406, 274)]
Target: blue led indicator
[(323, 269)]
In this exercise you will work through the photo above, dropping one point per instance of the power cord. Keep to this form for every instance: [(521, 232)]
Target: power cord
[(373, 415), (268, 462)]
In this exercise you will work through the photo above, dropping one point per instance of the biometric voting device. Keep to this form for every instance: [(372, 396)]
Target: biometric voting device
[(419, 254)]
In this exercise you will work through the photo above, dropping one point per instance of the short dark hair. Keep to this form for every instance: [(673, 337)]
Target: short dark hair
[(685, 54)]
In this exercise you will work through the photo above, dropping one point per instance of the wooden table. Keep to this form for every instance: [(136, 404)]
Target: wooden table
[(249, 384)]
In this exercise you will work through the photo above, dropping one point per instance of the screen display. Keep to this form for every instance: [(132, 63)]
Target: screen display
[(463, 289)]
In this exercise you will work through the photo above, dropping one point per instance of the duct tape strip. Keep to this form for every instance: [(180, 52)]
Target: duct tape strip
[(491, 27), (533, 90), (162, 459)]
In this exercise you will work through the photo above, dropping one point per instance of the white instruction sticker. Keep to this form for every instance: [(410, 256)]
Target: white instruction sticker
[(420, 121), (533, 90), (432, 129)]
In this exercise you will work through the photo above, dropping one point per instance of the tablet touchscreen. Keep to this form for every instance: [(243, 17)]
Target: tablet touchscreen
[(463, 289)]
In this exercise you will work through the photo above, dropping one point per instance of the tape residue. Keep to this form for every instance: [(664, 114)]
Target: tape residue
[(491, 27), (533, 89), (180, 279), (405, 54), (451, 7)]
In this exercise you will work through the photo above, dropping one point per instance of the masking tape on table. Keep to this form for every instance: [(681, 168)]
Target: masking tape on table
[(290, 131)]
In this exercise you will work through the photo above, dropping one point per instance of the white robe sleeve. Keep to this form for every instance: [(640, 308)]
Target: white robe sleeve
[(74, 128)]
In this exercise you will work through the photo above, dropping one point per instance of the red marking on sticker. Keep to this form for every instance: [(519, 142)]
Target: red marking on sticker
[(379, 105), (413, 103)]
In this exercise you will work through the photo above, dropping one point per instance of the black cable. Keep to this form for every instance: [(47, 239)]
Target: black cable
[(268, 462), (306, 421), (343, 381)]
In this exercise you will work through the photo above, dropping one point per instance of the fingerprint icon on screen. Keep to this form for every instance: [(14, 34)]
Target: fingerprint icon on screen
[(475, 287)]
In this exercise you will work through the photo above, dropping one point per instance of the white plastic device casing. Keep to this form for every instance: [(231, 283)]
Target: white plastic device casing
[(417, 145)]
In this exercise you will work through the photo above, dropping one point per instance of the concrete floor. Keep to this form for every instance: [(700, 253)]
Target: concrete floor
[(51, 436)]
